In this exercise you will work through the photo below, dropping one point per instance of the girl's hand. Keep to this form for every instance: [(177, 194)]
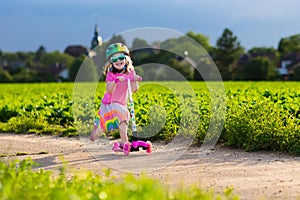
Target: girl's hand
[(120, 78), (137, 78)]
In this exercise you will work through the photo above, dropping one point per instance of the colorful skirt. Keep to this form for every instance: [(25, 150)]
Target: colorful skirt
[(111, 115)]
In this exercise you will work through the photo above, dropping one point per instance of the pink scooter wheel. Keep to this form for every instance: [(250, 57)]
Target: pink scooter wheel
[(149, 147)]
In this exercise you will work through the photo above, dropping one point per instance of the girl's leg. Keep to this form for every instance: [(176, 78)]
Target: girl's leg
[(96, 132), (123, 132)]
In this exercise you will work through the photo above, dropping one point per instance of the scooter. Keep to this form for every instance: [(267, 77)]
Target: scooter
[(136, 144)]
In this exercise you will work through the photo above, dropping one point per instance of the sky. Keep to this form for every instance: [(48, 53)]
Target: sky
[(55, 24)]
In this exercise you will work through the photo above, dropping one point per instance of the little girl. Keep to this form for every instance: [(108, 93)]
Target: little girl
[(113, 112)]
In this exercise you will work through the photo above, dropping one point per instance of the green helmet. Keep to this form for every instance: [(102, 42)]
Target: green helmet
[(116, 48)]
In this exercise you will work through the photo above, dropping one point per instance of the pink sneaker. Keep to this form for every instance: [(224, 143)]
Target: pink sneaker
[(126, 148), (117, 147)]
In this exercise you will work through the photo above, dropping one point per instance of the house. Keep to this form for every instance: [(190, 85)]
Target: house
[(257, 52), (76, 50), (287, 65), (54, 72)]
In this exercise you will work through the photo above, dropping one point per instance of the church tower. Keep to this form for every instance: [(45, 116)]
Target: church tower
[(97, 39)]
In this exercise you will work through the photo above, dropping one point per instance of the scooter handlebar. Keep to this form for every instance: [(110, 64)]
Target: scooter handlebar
[(126, 79)]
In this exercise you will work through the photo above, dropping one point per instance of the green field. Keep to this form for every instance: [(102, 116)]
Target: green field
[(259, 115)]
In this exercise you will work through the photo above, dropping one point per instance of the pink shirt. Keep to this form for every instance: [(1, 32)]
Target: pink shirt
[(121, 91)]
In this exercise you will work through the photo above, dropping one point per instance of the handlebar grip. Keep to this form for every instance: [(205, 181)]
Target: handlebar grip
[(132, 79)]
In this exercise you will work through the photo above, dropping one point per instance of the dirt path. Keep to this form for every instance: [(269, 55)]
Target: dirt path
[(259, 175)]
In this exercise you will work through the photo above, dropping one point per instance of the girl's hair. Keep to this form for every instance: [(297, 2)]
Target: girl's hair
[(110, 68)]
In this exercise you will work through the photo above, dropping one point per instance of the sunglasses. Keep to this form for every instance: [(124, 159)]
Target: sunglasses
[(116, 58)]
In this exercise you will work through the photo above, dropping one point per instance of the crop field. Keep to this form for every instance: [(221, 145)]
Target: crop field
[(257, 115)]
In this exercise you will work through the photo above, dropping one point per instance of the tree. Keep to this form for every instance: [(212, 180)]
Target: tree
[(139, 43), (55, 57), (271, 53), (9, 56), (264, 51), (289, 44), (184, 68), (201, 39), (24, 56), (26, 75), (74, 67), (227, 54), (184, 49), (40, 53), (117, 38), (296, 76), (258, 69), (83, 70), (5, 76)]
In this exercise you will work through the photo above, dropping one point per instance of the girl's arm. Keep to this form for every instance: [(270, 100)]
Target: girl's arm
[(134, 83), (110, 86), (111, 82), (134, 86)]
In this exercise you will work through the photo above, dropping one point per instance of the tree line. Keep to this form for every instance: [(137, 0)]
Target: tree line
[(230, 57)]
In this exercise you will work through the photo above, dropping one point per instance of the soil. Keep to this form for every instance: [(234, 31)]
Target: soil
[(255, 175)]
